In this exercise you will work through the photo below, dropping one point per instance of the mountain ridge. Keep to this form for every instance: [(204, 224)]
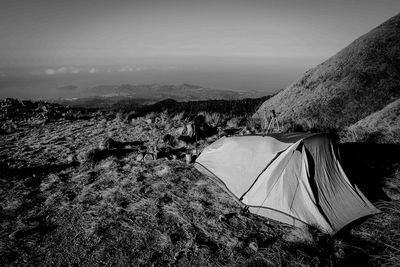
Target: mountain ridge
[(107, 95), (360, 79)]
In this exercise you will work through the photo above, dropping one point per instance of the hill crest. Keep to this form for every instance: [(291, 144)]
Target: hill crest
[(360, 79)]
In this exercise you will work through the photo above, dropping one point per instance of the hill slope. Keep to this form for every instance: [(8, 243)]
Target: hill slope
[(359, 80), (381, 126), (387, 117)]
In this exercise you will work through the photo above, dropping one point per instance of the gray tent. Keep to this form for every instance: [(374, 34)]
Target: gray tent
[(296, 179)]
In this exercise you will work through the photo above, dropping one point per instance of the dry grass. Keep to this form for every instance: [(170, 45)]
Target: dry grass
[(254, 124), (382, 126), (360, 79), (371, 135), (161, 213), (117, 212), (386, 233)]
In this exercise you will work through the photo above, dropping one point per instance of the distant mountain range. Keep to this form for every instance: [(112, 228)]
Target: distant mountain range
[(108, 95), (361, 79)]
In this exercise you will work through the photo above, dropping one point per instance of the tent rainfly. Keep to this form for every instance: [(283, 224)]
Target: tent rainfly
[(294, 178)]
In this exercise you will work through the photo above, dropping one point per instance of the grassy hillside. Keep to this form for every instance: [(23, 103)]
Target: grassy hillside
[(387, 117), (361, 79), (382, 126)]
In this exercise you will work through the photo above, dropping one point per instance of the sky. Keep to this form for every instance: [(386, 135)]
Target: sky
[(58, 36)]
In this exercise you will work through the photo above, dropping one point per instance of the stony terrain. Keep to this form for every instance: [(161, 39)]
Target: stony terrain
[(104, 190), (361, 79), (16, 114), (60, 206)]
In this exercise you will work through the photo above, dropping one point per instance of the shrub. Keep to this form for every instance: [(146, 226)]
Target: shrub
[(178, 116), (213, 119), (254, 124), (233, 123)]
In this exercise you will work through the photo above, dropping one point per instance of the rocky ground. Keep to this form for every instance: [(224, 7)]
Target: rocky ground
[(15, 114), (107, 191), (59, 205)]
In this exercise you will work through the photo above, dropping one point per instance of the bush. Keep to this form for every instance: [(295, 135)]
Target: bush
[(369, 135), (239, 107), (254, 124), (213, 119)]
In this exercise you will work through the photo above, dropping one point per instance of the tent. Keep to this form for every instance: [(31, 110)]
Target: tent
[(294, 178)]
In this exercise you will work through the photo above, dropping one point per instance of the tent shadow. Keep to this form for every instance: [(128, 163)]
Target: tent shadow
[(33, 171), (367, 165), (103, 154)]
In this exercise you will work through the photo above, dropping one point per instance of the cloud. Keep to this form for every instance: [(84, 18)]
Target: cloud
[(132, 68), (62, 70), (50, 72), (92, 70), (125, 69), (140, 68), (171, 68)]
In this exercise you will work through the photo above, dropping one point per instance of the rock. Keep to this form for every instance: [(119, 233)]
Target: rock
[(167, 127), (89, 156), (194, 152), (253, 246), (127, 167), (148, 157), (212, 138), (179, 131), (299, 234), (139, 157), (162, 170), (107, 164), (190, 130), (233, 123), (81, 157), (188, 158), (34, 112), (71, 158)]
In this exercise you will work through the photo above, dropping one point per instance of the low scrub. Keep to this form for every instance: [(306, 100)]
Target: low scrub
[(191, 108), (370, 135)]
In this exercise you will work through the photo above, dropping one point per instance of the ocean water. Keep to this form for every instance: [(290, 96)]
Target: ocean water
[(62, 82)]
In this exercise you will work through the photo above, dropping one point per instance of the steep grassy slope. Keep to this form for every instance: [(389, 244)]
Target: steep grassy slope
[(359, 80), (381, 126), (387, 117)]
